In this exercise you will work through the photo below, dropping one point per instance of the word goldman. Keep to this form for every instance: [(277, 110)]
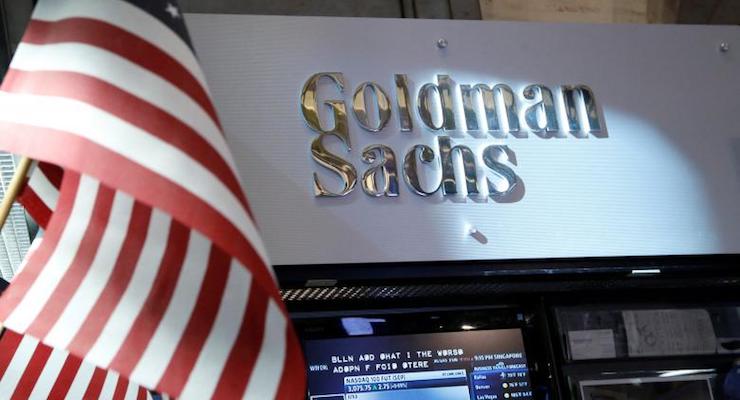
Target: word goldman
[(496, 105)]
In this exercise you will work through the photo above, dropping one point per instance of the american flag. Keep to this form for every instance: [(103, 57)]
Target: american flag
[(31, 370), (151, 264)]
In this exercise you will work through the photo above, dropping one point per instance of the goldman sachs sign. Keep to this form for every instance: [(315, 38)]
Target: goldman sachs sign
[(492, 113)]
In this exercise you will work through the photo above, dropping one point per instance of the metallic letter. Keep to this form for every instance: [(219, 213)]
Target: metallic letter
[(410, 168), (443, 90), (309, 101), (402, 99), (309, 106), (449, 185), (338, 165), (488, 95), (360, 110), (491, 157), (572, 110), (386, 166), (544, 107)]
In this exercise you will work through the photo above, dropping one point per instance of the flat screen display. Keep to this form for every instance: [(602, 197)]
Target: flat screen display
[(466, 365)]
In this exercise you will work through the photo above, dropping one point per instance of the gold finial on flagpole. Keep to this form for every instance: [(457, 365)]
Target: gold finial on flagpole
[(16, 184)]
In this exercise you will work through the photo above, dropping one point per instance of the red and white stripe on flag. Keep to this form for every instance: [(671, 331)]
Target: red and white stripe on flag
[(151, 265), (32, 370), (41, 192)]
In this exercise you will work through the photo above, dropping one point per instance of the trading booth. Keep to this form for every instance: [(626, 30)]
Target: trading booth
[(470, 210)]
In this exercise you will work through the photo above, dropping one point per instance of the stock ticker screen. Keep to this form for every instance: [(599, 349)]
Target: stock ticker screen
[(466, 365)]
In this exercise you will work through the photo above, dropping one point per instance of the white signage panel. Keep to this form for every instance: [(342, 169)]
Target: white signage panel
[(579, 140)]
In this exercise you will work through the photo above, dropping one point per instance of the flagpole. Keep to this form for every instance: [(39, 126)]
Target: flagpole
[(16, 184)]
